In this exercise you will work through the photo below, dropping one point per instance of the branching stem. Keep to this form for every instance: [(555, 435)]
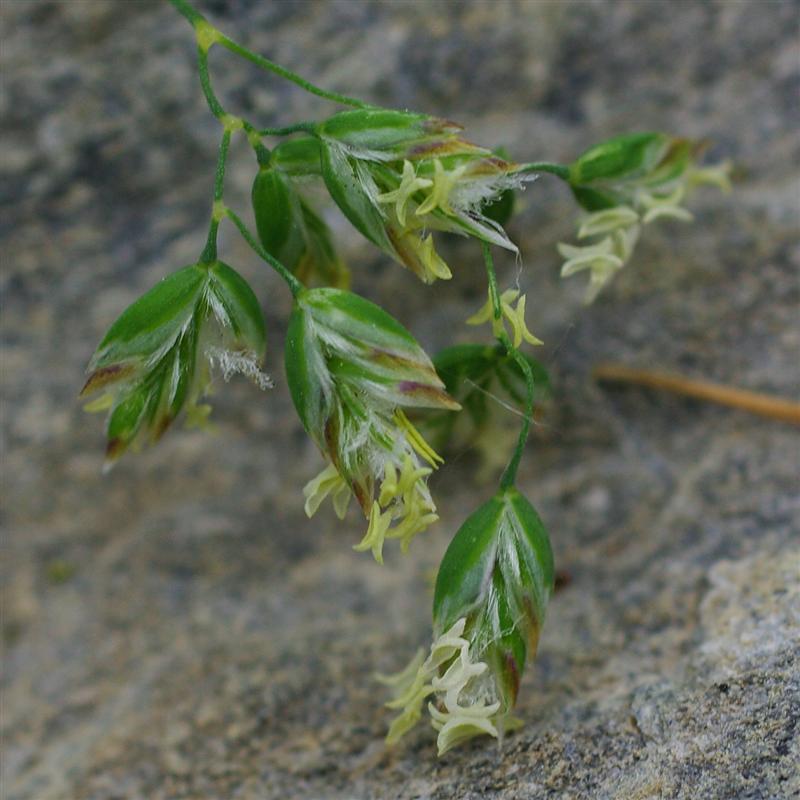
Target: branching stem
[(205, 81), (187, 11), (207, 36), (198, 20), (209, 254), (277, 69), (293, 283), (510, 473)]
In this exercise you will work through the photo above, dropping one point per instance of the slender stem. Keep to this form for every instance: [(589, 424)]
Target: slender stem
[(230, 122), (754, 402), (214, 104), (306, 127), (209, 254), (559, 170), (254, 137), (222, 161), (182, 7), (491, 276), (205, 81), (207, 36), (198, 22), (277, 69), (294, 284), (510, 473)]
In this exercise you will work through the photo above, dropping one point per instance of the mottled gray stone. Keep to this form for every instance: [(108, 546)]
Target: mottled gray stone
[(178, 629)]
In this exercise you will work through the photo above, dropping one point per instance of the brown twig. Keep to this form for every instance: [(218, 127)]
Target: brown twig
[(754, 402)]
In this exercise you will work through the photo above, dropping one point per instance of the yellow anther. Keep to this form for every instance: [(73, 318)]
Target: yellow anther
[(484, 314), (719, 175), (376, 532), (514, 315), (328, 481), (396, 485), (434, 264), (404, 723), (420, 255), (389, 487), (601, 259), (413, 507), (410, 687), (102, 403), (456, 728), (410, 183), (410, 474), (408, 693), (341, 499), (418, 518), (443, 183), (455, 719), (665, 206), (421, 447), (398, 681), (607, 220)]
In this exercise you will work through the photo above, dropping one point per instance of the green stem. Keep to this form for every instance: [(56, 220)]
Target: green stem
[(294, 284), (209, 254), (205, 81), (262, 153), (306, 127), (277, 69), (491, 276), (222, 161), (510, 473), (196, 18), (254, 137), (182, 7), (559, 170)]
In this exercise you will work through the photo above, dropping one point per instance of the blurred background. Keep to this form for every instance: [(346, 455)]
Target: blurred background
[(179, 629)]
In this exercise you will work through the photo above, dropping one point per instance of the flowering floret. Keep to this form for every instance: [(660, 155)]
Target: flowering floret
[(398, 176), (514, 315), (352, 369), (491, 594), (624, 184), (156, 359)]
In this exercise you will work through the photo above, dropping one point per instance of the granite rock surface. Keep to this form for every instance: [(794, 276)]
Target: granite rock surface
[(179, 629)]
